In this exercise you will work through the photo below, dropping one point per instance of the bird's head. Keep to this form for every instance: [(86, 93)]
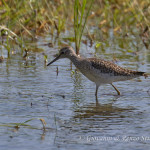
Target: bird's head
[(65, 52)]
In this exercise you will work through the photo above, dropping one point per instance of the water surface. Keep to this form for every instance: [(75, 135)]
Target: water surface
[(30, 90)]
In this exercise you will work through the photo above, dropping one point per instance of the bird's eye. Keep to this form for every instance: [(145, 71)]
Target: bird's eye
[(62, 52)]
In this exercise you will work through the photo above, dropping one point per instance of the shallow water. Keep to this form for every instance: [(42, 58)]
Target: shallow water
[(30, 90)]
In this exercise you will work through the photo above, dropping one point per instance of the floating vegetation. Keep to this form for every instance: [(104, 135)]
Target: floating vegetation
[(18, 125)]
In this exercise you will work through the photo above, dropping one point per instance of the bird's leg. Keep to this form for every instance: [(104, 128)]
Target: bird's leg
[(116, 89), (96, 93)]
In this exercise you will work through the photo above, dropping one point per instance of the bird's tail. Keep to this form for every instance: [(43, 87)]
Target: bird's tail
[(142, 74)]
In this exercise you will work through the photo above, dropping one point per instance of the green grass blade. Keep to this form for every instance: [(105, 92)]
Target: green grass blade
[(85, 21)]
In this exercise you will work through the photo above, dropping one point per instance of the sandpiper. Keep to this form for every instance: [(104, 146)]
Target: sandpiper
[(98, 70)]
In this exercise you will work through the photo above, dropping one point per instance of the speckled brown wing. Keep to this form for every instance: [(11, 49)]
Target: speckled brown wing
[(109, 67)]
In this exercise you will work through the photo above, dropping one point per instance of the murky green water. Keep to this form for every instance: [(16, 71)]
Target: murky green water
[(66, 102)]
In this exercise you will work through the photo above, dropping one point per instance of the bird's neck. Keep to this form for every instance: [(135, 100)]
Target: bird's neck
[(75, 59)]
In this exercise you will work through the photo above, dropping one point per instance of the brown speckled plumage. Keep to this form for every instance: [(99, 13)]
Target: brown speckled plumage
[(98, 70), (111, 68)]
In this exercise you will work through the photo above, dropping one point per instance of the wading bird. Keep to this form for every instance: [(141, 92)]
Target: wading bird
[(98, 70)]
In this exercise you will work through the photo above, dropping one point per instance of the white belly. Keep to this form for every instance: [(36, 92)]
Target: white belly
[(102, 78)]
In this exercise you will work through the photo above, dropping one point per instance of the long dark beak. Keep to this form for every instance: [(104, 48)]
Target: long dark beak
[(57, 57)]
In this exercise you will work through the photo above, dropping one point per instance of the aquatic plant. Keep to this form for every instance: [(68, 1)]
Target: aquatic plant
[(80, 19), (29, 19)]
